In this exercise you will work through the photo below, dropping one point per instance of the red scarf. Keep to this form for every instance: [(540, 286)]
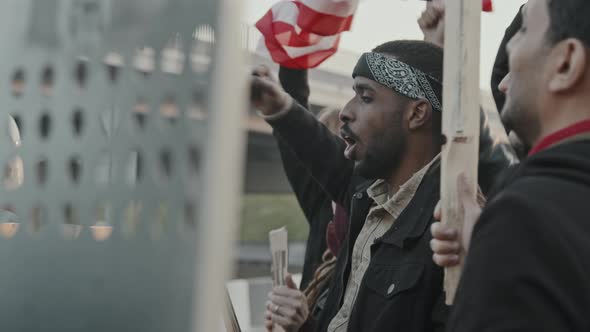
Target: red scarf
[(337, 229), (563, 134)]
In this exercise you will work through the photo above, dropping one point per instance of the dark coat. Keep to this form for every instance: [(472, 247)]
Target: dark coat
[(528, 266), (313, 200), (316, 207)]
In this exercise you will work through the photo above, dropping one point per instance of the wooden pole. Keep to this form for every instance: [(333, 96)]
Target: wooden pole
[(461, 114)]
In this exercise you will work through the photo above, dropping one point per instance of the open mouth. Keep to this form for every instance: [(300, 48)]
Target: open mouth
[(351, 142)]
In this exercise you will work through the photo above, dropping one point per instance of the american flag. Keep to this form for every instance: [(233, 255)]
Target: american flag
[(301, 34)]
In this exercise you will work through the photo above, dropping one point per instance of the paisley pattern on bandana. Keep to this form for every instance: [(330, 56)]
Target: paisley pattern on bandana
[(399, 76)]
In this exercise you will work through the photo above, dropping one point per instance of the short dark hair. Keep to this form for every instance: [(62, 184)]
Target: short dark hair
[(569, 19), (426, 57)]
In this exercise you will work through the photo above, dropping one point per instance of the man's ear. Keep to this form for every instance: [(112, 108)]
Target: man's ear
[(569, 65), (419, 114)]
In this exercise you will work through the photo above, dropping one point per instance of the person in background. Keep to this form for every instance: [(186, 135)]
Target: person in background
[(499, 72), (527, 252), (500, 69)]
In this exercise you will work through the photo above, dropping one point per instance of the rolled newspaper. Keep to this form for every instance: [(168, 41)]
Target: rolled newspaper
[(280, 255)]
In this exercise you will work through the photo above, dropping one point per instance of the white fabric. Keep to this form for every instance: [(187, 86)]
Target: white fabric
[(285, 12), (342, 8), (325, 43)]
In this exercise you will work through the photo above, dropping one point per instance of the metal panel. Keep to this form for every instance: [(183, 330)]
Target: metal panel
[(102, 156)]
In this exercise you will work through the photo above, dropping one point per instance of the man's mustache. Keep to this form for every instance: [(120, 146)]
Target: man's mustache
[(346, 131)]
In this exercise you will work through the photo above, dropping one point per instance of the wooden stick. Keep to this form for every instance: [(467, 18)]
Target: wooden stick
[(461, 114)]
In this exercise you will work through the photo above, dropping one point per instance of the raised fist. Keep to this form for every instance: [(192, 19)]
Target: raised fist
[(266, 94), (432, 22)]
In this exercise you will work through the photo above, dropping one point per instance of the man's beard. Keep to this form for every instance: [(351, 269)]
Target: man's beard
[(383, 157), (519, 118)]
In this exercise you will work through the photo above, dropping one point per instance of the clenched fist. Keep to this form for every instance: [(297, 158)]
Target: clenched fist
[(266, 94), (432, 22)]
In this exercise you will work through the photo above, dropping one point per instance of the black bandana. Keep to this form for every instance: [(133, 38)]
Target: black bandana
[(399, 76)]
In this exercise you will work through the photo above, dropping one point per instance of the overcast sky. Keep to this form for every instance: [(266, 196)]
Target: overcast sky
[(378, 21)]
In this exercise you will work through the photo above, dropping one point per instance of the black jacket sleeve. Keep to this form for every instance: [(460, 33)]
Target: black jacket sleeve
[(318, 150), (296, 84), (309, 193), (508, 283)]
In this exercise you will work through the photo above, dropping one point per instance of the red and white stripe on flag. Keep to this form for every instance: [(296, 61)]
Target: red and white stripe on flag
[(303, 33)]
